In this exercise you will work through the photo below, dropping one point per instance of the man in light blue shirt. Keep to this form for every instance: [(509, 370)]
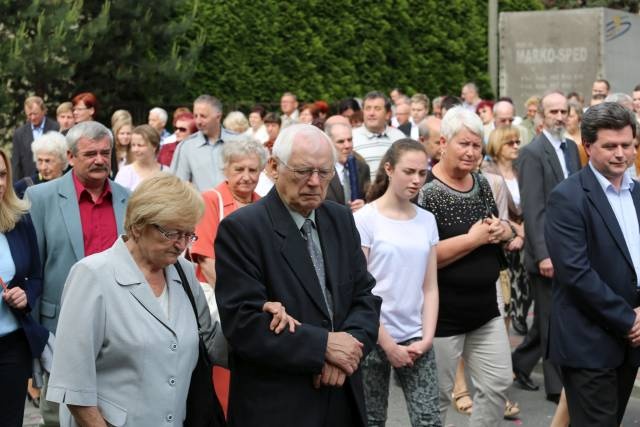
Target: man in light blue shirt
[(593, 237), (198, 159)]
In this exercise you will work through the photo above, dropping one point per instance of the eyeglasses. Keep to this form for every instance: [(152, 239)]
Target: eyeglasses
[(306, 173), (79, 108), (175, 235), (513, 143), (181, 129)]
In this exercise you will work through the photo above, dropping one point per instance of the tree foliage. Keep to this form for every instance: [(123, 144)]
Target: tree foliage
[(328, 50), (166, 52), (127, 53)]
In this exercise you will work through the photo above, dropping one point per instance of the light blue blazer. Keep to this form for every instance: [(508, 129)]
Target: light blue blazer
[(56, 219)]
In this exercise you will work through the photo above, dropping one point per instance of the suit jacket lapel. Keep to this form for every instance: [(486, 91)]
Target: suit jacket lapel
[(127, 274), (552, 157), (68, 200), (601, 204), (120, 197), (294, 249), (337, 188)]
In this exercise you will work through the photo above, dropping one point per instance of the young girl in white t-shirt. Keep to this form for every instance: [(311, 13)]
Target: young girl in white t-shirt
[(398, 239)]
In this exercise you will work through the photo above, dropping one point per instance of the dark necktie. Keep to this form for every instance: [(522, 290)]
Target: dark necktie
[(567, 158), (354, 185), (318, 264)]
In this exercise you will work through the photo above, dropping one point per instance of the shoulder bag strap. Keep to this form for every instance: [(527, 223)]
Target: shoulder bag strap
[(220, 205), (187, 290)]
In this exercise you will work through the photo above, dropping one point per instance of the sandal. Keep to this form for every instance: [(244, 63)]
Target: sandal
[(511, 410), (462, 402)]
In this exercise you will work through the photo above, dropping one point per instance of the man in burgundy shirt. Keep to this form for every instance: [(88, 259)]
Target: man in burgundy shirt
[(76, 215)]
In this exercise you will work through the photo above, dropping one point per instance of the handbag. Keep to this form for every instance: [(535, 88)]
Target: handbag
[(203, 406)]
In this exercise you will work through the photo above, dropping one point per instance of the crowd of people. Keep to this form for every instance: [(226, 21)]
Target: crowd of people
[(312, 253)]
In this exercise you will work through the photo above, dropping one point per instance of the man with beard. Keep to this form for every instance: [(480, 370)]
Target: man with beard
[(76, 215), (542, 164)]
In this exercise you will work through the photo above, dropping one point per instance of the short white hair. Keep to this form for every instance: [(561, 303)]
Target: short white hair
[(242, 147), (284, 143), (51, 142), (457, 118), (161, 113)]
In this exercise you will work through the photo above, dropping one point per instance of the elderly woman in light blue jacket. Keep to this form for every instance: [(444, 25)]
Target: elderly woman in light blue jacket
[(127, 339)]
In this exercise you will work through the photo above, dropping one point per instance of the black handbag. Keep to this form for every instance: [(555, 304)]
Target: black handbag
[(203, 407)]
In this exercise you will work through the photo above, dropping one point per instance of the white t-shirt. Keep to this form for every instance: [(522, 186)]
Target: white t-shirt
[(398, 255)]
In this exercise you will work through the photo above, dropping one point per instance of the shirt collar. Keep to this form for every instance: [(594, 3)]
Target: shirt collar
[(81, 189), (626, 185), (552, 139), (339, 167), (372, 135), (40, 126), (299, 219)]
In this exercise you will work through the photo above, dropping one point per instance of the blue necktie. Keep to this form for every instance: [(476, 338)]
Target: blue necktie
[(353, 183)]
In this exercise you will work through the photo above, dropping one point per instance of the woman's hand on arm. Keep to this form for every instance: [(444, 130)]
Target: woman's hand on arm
[(454, 248), (87, 416), (281, 319)]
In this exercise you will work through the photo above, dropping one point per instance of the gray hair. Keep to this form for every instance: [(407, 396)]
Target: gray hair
[(211, 101), (284, 143), (457, 118), (51, 142), (241, 147), (423, 129), (236, 121), (161, 113), (328, 128), (620, 98), (90, 130)]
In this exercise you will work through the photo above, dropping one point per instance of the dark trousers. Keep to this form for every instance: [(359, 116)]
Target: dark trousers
[(598, 397), (15, 370), (534, 346), (342, 410)]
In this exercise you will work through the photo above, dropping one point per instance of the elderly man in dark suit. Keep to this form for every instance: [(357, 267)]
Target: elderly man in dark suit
[(37, 125), (294, 247), (542, 164), (352, 177), (593, 235)]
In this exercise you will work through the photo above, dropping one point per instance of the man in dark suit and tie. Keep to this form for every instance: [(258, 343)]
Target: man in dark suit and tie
[(295, 247), (351, 180), (593, 238), (37, 125), (542, 164)]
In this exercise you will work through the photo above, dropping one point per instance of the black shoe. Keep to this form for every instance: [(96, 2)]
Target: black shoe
[(553, 397), (524, 381)]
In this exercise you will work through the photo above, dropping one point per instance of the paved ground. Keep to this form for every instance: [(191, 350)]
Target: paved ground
[(535, 410)]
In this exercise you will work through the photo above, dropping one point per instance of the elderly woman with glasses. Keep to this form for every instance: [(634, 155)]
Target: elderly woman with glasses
[(127, 338), (243, 160), (50, 154)]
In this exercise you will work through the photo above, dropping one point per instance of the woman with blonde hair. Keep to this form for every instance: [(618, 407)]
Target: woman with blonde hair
[(503, 147), (22, 339), (145, 143), (140, 311)]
